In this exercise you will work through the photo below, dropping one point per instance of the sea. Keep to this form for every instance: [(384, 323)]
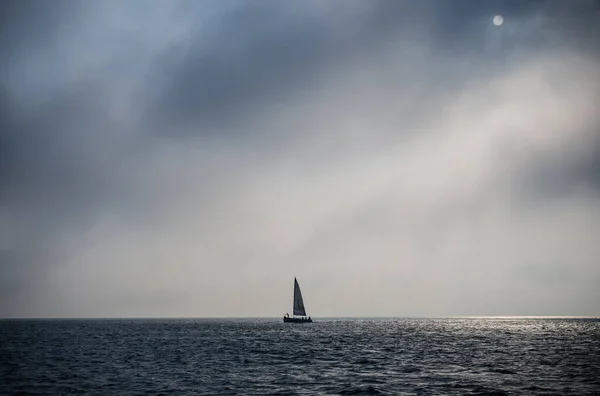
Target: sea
[(404, 356)]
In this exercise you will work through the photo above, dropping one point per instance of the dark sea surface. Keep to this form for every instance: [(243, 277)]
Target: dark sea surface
[(483, 356)]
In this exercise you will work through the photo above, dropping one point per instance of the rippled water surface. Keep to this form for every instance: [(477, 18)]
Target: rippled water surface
[(262, 356)]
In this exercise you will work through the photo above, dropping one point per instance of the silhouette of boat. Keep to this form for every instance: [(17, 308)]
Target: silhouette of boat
[(299, 312)]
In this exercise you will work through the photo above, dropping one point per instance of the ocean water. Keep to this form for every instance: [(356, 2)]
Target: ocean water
[(483, 356)]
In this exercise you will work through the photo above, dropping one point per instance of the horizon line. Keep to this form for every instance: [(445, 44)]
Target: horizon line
[(314, 317)]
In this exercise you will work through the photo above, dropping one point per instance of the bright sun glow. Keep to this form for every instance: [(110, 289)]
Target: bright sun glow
[(498, 20)]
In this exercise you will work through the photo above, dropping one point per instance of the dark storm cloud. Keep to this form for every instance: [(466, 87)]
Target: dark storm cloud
[(263, 51), (258, 51), (32, 24), (30, 139), (40, 151)]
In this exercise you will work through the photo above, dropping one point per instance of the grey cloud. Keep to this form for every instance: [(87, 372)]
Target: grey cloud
[(264, 52), (49, 157), (261, 51), (52, 182), (32, 24), (556, 178), (70, 163)]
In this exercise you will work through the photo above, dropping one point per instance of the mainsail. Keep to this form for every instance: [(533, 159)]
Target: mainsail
[(298, 303)]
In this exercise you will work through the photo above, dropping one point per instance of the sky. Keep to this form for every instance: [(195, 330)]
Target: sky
[(400, 158)]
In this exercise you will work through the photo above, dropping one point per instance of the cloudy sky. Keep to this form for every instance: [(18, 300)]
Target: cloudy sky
[(401, 158)]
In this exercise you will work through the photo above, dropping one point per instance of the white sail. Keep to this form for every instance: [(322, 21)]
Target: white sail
[(298, 303)]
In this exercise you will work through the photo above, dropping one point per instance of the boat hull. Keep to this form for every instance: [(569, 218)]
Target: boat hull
[(296, 320)]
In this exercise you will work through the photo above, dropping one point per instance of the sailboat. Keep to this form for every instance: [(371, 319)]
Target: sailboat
[(299, 313)]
